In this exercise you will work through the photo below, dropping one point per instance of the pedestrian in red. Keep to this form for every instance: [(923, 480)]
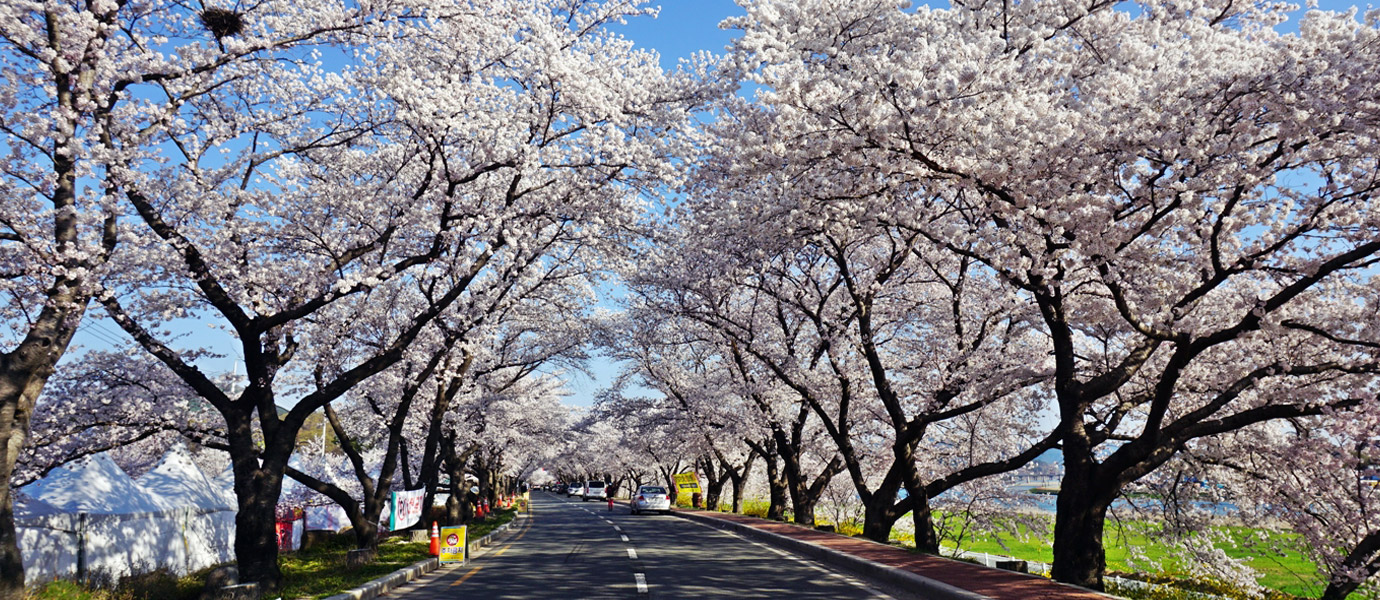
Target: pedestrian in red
[(608, 492)]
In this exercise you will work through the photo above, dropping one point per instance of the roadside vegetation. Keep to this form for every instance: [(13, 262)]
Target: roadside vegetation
[(1285, 571), (1131, 545), (315, 572)]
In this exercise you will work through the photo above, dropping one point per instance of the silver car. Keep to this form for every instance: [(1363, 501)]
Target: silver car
[(650, 497), (592, 490)]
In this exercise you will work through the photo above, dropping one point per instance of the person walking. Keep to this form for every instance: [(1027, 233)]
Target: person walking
[(609, 492)]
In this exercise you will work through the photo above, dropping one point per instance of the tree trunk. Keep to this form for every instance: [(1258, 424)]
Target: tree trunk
[(714, 484), (739, 478), (926, 538), (256, 491), (1079, 557), (23, 373), (366, 533), (878, 519), (11, 561), (776, 491), (669, 476), (805, 495), (804, 507), (1364, 558)]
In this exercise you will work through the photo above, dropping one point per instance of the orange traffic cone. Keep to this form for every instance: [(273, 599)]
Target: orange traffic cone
[(435, 540)]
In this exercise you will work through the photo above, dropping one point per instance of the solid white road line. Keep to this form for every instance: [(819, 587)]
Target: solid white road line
[(632, 554), (641, 582)]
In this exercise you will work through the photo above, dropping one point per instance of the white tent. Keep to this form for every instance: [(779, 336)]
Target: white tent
[(94, 485), (176, 482), (46, 533), (96, 520), (209, 511)]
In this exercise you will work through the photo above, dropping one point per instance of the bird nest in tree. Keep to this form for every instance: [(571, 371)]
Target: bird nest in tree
[(222, 22)]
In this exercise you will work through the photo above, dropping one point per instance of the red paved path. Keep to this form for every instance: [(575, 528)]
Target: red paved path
[(993, 583)]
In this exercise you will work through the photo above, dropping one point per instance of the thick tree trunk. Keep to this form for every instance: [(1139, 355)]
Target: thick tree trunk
[(801, 504), (739, 478), (776, 491), (878, 519), (11, 561), (23, 373), (256, 490), (714, 485), (926, 538), (367, 532), (880, 511), (804, 507), (1079, 557)]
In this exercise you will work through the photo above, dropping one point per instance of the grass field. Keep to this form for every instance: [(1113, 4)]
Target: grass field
[(1278, 560), (1281, 565)]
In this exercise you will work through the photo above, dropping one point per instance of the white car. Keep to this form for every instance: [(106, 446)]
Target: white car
[(650, 497), (574, 490), (592, 490)]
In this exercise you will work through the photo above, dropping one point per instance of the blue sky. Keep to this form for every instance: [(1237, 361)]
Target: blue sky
[(682, 28)]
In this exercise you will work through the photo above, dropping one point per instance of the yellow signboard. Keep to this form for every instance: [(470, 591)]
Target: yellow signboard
[(687, 483), (453, 542)]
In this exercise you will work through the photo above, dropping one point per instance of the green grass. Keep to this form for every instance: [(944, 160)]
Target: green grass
[(320, 571), (1281, 565), (480, 529), (158, 584), (317, 572)]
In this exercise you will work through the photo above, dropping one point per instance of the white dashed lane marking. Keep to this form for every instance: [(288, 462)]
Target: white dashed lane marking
[(625, 538), (632, 554), (641, 582)]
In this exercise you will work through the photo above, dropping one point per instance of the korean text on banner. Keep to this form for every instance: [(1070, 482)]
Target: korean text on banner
[(407, 509), (687, 482), (453, 543)]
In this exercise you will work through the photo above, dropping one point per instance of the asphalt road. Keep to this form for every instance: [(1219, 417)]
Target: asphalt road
[(573, 549)]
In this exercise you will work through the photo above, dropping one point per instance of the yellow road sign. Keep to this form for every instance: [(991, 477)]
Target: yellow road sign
[(687, 483), (453, 543)]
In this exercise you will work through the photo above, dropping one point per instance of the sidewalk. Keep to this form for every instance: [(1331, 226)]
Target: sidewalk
[(925, 575)]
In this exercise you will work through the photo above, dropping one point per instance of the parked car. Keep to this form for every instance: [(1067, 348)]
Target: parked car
[(593, 490), (575, 489), (650, 497)]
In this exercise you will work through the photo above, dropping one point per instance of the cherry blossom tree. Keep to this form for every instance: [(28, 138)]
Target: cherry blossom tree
[(1319, 477), (698, 386), (92, 90), (453, 156), (507, 333), (1185, 195), (895, 344), (109, 400)]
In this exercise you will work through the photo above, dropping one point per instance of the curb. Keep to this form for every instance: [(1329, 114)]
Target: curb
[(388, 582), (918, 585), (405, 575)]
